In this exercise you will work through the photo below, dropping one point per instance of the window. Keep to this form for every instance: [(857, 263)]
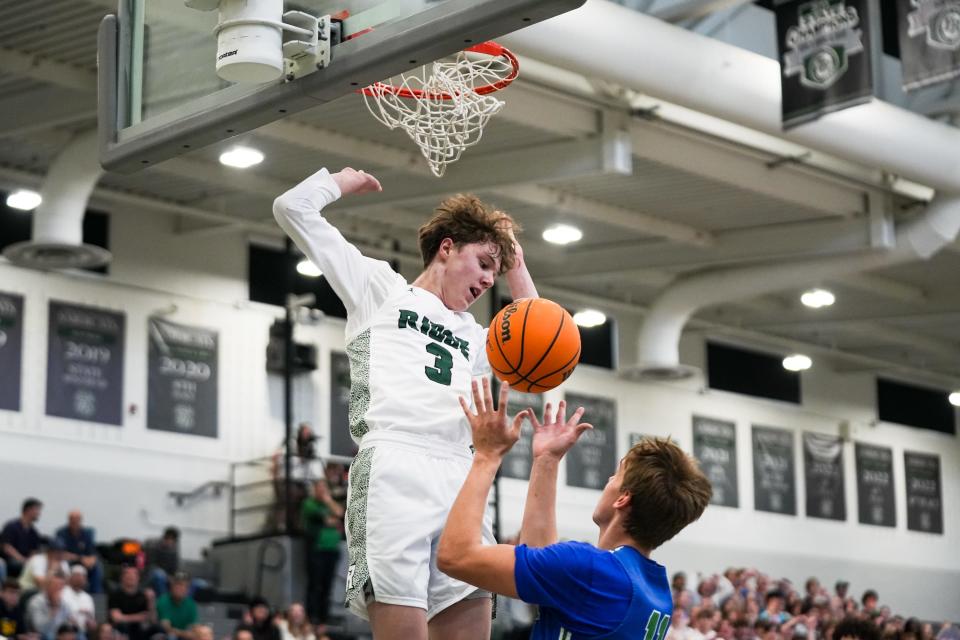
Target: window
[(752, 373), (915, 406)]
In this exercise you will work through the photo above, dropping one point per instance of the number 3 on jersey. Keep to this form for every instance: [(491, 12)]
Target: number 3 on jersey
[(442, 370)]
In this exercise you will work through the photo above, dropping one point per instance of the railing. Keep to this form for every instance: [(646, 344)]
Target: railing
[(215, 487), (257, 494)]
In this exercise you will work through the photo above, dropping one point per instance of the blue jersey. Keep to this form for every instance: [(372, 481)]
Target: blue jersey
[(585, 592)]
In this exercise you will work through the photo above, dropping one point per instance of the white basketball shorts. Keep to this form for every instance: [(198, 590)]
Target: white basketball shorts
[(401, 489)]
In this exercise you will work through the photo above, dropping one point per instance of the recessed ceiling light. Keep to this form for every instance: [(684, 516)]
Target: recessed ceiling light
[(562, 234), (954, 398), (797, 362), (24, 199), (307, 268), (589, 318), (241, 157), (816, 298)]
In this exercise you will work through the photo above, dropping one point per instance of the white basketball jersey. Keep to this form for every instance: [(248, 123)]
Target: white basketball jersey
[(411, 357)]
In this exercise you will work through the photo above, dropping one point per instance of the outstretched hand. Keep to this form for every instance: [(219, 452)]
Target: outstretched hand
[(493, 433), (556, 435), (353, 181)]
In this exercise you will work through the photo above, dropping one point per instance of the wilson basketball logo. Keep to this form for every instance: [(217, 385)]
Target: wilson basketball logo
[(533, 345)]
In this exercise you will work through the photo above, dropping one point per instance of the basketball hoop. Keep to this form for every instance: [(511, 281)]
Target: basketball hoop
[(444, 106)]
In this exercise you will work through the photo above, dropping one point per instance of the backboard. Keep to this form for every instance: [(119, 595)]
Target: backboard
[(160, 95)]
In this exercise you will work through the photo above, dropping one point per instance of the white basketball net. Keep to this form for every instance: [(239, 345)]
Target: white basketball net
[(438, 106)]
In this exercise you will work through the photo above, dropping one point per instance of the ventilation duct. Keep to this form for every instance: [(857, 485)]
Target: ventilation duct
[(57, 237), (642, 53)]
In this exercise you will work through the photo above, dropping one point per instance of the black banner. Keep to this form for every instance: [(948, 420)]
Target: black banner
[(824, 48), (715, 446), (11, 349), (594, 458), (341, 442), (924, 497), (516, 464), (85, 363), (875, 501), (774, 478), (182, 378), (823, 475), (929, 34)]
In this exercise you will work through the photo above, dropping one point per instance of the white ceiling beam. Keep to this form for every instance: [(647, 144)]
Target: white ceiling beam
[(743, 168), (882, 287), (595, 211), (773, 242), (693, 9), (890, 335), (39, 68), (43, 109)]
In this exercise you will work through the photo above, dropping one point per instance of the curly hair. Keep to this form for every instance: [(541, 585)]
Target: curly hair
[(465, 219)]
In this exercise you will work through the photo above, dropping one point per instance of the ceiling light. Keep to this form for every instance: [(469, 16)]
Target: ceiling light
[(307, 268), (24, 199), (562, 234), (241, 157), (797, 362), (954, 398), (816, 298), (589, 318)]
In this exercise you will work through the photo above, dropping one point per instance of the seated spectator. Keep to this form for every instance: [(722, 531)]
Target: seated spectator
[(202, 632), (869, 600), (67, 632), (163, 559), (703, 625), (765, 630), (35, 571), (258, 620), (11, 612), (774, 612), (80, 547), (105, 631), (46, 611), (19, 539), (131, 608), (294, 624), (856, 629), (80, 603), (176, 610)]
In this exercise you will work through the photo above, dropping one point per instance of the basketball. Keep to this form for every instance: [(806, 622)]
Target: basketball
[(533, 345)]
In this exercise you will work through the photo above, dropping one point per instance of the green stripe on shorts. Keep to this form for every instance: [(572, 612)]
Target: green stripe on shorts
[(358, 572)]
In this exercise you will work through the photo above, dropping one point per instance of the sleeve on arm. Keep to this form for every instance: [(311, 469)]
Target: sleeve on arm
[(361, 283), (556, 576)]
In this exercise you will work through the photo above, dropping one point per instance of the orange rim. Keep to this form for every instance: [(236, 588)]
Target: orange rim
[(488, 48)]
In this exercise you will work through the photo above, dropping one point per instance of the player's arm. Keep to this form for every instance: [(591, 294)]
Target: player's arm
[(298, 212), (518, 277), (551, 440), (461, 553)]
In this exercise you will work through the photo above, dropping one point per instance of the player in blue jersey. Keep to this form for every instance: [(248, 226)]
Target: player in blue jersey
[(612, 591)]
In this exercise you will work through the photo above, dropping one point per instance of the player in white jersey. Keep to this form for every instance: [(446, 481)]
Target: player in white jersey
[(413, 351)]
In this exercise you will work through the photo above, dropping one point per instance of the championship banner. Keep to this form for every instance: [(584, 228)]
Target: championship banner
[(85, 363), (929, 34), (715, 446), (517, 462), (774, 479), (11, 349), (823, 475), (341, 442), (824, 48), (875, 501), (924, 497), (594, 459), (182, 378)]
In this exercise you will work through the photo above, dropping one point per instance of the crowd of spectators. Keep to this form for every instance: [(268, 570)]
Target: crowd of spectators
[(745, 604)]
